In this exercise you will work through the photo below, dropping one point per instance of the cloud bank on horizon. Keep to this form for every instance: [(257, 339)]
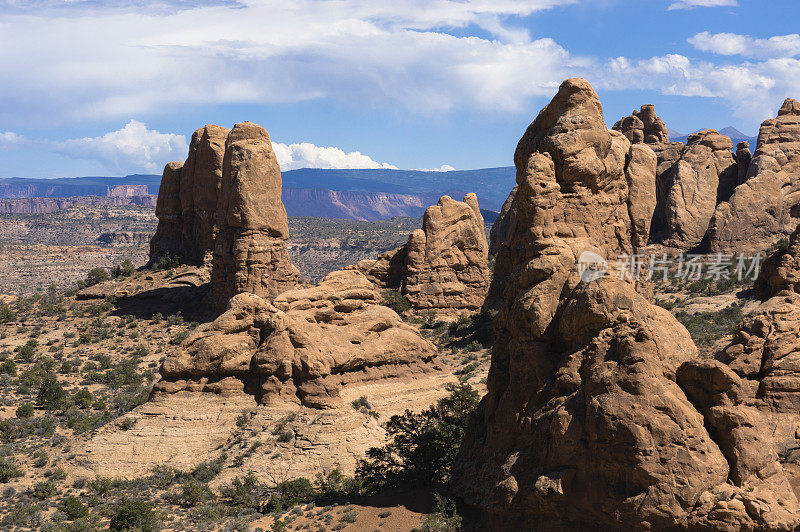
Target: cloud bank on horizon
[(107, 61), (135, 149)]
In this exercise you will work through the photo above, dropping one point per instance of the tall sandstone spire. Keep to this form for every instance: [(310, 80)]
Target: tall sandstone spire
[(249, 250), (599, 413), (187, 200)]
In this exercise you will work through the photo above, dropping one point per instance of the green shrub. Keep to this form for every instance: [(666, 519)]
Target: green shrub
[(708, 327), (27, 353), (25, 410), (135, 514), (51, 395), (8, 367), (396, 301), (73, 507), (124, 269), (83, 398), (6, 314), (423, 446), (194, 492), (8, 469), (349, 516), (291, 493), (44, 490), (95, 276), (361, 402), (444, 518), (179, 338), (167, 262), (175, 319), (244, 492), (207, 471)]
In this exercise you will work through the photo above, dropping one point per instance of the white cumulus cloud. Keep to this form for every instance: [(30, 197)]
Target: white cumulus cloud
[(134, 148), (691, 4), (307, 155), (442, 168), (754, 90), (95, 62), (747, 46), (8, 138)]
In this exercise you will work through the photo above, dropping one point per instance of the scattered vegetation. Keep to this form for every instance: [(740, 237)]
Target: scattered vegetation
[(707, 328)]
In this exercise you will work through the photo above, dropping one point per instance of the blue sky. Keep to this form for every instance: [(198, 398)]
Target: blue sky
[(117, 87)]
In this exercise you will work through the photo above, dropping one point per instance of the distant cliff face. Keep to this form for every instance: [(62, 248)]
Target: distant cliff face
[(48, 205), (127, 191), (356, 205)]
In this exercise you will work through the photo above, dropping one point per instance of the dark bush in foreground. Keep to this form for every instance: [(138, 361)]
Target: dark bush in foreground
[(135, 514), (423, 445), (8, 470)]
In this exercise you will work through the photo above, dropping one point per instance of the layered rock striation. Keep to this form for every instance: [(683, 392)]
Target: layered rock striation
[(598, 412)]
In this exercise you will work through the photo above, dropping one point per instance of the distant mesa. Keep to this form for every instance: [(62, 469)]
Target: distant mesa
[(116, 195)]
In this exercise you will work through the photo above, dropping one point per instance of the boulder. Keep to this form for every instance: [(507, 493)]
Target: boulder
[(249, 250), (304, 346), (592, 418), (444, 266), (766, 205)]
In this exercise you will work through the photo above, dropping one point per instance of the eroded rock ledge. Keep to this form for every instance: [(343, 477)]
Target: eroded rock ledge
[(304, 346)]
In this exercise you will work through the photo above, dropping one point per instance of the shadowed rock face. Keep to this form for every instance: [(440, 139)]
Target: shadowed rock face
[(706, 168), (188, 199), (304, 346), (691, 179), (249, 250), (168, 239), (201, 180), (443, 266), (766, 205), (598, 414)]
